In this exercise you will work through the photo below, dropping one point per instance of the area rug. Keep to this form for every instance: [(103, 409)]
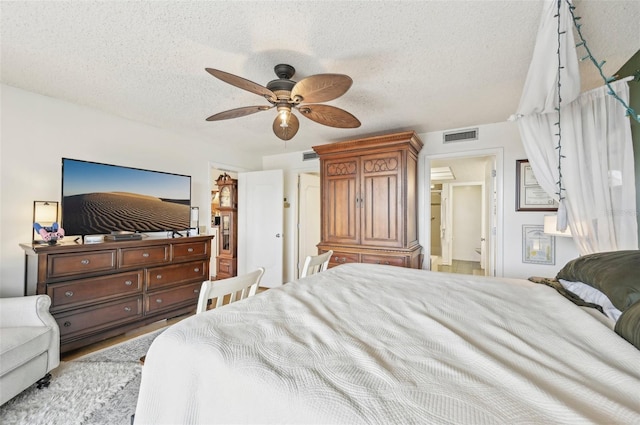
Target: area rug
[(100, 388)]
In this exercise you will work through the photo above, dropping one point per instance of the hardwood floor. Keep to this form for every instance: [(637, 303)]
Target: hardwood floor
[(462, 267), (74, 354)]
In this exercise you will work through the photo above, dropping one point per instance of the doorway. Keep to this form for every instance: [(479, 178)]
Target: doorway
[(463, 212)]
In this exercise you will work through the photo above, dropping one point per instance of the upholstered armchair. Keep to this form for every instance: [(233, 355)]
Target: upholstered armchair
[(29, 344)]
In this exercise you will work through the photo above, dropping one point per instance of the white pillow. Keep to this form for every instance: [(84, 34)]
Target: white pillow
[(592, 295)]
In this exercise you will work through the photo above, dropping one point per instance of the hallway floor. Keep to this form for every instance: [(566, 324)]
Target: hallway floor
[(462, 267)]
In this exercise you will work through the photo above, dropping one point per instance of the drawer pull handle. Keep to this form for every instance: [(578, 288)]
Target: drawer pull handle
[(159, 300), (128, 282), (195, 291), (190, 250), (85, 262), (197, 269), (159, 276), (67, 324), (127, 308), (68, 294), (145, 254)]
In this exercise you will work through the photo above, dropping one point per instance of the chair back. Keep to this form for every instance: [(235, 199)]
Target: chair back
[(316, 263), (236, 288)]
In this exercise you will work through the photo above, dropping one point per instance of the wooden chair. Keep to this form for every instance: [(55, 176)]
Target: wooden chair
[(237, 288), (316, 264)]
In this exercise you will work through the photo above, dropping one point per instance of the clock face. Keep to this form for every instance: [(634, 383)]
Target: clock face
[(225, 196)]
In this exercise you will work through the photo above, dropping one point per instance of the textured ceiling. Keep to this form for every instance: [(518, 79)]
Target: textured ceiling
[(421, 65)]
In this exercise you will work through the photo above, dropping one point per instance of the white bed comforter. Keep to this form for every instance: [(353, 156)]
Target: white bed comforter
[(386, 345)]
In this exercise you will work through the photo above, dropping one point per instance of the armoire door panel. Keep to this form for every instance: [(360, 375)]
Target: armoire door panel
[(342, 224), (382, 199), (381, 212)]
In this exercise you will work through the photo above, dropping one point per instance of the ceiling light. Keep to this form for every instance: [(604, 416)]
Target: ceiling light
[(285, 113), (442, 173)]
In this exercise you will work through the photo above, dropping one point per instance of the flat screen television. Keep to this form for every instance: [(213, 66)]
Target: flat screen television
[(103, 198)]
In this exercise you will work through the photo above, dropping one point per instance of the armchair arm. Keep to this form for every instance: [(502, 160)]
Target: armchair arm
[(32, 311), (26, 311)]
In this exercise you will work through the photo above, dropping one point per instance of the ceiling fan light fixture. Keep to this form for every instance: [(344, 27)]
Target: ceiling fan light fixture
[(285, 113), (285, 94)]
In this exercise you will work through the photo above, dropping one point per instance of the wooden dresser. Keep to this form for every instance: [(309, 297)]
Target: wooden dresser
[(104, 289), (369, 200)]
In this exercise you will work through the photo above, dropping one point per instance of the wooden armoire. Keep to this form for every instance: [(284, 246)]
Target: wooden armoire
[(369, 200)]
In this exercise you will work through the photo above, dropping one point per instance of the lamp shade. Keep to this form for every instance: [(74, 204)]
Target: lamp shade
[(551, 227), (194, 225), (45, 213)]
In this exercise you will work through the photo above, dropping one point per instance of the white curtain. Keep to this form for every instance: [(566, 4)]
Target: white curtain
[(598, 170)]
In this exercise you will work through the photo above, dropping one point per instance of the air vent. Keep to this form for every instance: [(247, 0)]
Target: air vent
[(460, 136), (307, 156)]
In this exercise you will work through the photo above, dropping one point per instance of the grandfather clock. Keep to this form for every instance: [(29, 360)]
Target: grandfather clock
[(226, 262)]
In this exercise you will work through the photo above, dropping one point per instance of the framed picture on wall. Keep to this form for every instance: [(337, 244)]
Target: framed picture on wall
[(529, 195), (537, 246)]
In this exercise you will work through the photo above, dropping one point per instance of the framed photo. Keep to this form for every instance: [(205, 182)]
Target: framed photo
[(537, 246), (529, 195)]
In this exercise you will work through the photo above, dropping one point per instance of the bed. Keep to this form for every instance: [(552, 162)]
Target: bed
[(373, 344)]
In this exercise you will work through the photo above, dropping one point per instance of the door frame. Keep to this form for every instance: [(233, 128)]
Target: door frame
[(496, 232)]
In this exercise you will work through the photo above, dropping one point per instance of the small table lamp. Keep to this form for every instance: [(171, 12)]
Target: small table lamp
[(551, 227), (194, 226), (45, 213)]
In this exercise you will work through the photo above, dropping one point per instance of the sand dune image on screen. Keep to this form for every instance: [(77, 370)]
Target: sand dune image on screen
[(103, 212)]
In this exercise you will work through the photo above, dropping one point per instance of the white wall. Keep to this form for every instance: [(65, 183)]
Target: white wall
[(505, 137), (37, 131), (502, 136)]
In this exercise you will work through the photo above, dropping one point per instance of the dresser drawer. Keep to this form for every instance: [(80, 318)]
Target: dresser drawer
[(156, 254), (98, 317), (384, 259), (59, 265), (187, 250), (343, 257), (94, 289), (158, 277), (161, 300)]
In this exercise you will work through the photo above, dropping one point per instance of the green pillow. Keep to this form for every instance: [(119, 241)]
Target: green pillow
[(628, 325), (616, 274)]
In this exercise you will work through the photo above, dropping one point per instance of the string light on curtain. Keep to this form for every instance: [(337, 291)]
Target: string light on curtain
[(560, 191), (607, 80)]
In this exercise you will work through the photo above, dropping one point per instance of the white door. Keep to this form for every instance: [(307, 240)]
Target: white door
[(260, 224), (308, 217)]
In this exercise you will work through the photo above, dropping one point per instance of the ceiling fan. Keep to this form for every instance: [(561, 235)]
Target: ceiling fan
[(286, 95)]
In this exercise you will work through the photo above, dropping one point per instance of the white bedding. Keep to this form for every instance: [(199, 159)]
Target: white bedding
[(387, 345)]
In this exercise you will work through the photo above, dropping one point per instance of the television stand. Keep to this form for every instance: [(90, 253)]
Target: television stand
[(100, 290)]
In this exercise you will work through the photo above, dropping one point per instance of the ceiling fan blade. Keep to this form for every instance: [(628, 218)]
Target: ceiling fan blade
[(321, 88), (286, 133), (243, 83), (329, 115), (237, 113)]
